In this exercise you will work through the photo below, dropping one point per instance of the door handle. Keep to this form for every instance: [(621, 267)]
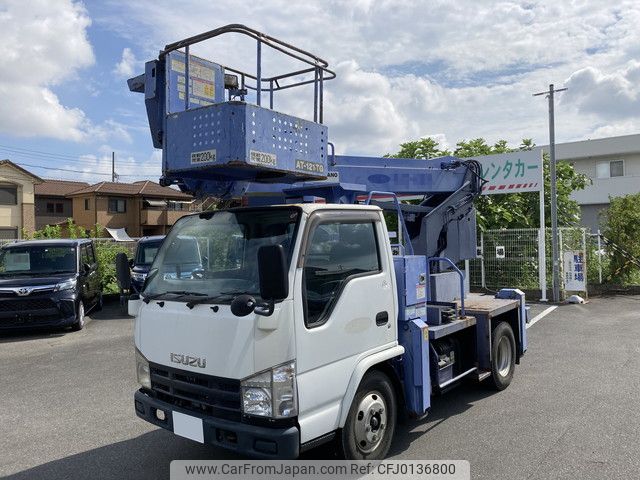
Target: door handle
[(382, 318)]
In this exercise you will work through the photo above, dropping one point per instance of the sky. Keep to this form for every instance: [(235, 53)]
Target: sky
[(452, 70)]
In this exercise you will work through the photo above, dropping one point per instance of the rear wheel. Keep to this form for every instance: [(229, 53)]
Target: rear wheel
[(503, 356), (371, 422), (79, 324)]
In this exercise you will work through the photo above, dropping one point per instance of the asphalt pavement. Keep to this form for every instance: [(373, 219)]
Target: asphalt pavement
[(572, 411)]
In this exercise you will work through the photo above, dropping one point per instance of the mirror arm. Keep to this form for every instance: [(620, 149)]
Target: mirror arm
[(265, 308)]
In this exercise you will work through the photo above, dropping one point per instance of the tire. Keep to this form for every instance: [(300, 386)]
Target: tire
[(503, 356), (99, 303), (80, 319), (371, 422)]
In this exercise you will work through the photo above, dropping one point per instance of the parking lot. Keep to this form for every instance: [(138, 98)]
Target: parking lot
[(572, 411)]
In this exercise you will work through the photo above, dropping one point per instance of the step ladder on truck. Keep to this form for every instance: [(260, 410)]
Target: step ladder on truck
[(296, 319)]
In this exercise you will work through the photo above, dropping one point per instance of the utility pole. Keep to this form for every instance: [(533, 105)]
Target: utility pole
[(113, 166), (554, 195)]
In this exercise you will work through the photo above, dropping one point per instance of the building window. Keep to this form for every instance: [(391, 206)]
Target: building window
[(117, 205), (610, 169), (49, 207), (8, 233), (59, 208), (8, 195), (86, 204)]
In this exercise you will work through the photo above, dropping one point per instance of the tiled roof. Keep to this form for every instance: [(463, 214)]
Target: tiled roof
[(19, 168), (145, 188), (58, 188)]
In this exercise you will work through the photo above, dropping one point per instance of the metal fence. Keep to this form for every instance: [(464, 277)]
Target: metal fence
[(511, 258)]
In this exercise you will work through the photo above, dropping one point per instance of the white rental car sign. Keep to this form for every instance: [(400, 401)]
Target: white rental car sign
[(513, 172)]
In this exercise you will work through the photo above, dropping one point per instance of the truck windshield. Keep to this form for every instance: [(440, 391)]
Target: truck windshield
[(37, 260), (215, 254)]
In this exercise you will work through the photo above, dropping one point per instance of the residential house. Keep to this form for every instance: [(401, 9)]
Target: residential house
[(53, 206), (142, 208), (17, 211), (612, 164)]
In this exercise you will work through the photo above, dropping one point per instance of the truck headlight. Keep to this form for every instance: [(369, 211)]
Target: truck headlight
[(142, 370), (271, 393), (66, 285)]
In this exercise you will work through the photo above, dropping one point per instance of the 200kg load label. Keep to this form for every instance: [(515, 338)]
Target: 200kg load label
[(205, 156), (311, 167), (262, 158)]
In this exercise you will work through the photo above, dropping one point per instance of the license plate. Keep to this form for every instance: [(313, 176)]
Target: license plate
[(188, 426)]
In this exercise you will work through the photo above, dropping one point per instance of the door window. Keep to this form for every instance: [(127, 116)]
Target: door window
[(85, 255), (337, 252)]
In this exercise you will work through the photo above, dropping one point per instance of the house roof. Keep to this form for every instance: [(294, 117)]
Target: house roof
[(145, 188), (622, 145), (58, 188), (20, 169)]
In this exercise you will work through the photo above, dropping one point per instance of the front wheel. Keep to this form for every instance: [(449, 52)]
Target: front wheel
[(371, 422), (503, 356), (79, 323)]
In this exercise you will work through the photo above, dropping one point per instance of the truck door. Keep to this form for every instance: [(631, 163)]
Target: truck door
[(345, 312)]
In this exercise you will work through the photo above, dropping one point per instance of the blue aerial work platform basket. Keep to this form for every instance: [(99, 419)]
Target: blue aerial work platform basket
[(198, 116)]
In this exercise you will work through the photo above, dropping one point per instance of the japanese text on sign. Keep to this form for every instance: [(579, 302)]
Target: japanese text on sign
[(513, 172), (574, 266)]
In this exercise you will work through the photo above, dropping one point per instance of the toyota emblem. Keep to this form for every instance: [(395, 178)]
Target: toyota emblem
[(23, 291)]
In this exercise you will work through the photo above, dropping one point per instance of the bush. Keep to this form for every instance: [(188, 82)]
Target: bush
[(622, 237), (106, 255)]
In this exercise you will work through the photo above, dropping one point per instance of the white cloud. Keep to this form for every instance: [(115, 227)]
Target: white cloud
[(44, 43), (125, 67), (462, 69)]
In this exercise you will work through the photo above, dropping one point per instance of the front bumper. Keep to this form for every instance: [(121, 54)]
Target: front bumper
[(249, 440), (36, 312)]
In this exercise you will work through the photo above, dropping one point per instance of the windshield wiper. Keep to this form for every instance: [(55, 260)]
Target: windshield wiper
[(211, 298), (179, 293)]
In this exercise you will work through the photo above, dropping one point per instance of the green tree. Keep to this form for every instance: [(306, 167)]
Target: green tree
[(513, 210), (423, 148), (622, 229)]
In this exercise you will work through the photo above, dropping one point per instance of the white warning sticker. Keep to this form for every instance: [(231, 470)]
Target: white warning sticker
[(205, 156), (262, 158)]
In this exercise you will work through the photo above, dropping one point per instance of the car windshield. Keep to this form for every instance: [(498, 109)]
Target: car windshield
[(146, 252), (215, 254), (37, 260)]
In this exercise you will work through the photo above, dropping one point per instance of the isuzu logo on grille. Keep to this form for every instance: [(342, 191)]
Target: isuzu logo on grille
[(188, 360), (23, 291)]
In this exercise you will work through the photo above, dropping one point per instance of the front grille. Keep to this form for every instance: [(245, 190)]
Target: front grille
[(204, 394), (20, 305)]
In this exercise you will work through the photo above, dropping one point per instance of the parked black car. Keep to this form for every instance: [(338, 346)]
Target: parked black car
[(48, 283), (141, 263)]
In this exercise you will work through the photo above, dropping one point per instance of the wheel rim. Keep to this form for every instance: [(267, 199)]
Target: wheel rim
[(370, 422), (81, 314), (504, 356)]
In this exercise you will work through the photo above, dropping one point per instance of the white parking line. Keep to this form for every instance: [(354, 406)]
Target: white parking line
[(541, 315)]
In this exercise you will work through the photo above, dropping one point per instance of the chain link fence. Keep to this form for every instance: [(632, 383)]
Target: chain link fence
[(511, 258)]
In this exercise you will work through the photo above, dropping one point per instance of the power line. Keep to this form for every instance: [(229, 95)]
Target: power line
[(55, 156), (75, 171)]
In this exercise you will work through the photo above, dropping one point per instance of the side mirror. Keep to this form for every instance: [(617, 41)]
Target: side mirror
[(131, 263), (243, 305), (123, 274), (86, 268), (273, 273)]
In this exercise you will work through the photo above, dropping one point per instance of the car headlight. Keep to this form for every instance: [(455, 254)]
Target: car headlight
[(271, 393), (138, 277), (142, 370), (66, 285)]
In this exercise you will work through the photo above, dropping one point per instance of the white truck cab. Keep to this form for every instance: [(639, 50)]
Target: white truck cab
[(268, 386)]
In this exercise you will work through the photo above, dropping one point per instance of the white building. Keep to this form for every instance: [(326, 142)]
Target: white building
[(613, 164)]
